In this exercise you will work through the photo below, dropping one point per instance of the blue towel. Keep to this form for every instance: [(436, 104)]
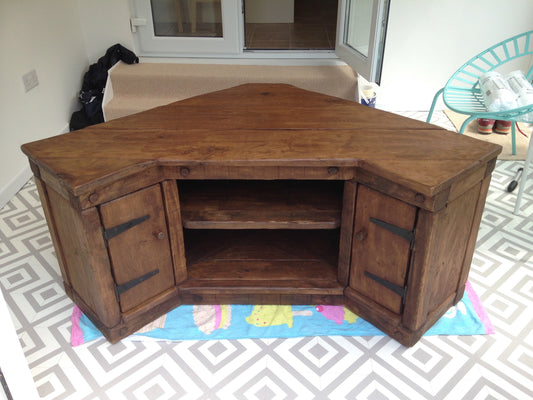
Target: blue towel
[(208, 322)]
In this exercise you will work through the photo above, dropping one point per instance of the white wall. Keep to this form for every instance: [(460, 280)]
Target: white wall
[(428, 40), (271, 12), (104, 23), (45, 36)]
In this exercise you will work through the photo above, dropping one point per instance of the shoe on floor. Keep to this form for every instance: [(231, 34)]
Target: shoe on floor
[(502, 127), (484, 125)]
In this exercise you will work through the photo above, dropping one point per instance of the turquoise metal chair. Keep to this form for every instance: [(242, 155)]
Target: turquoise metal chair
[(463, 95)]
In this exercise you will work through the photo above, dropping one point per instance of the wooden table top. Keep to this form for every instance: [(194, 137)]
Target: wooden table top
[(262, 125)]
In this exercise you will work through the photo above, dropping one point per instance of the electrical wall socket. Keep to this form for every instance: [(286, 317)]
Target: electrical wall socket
[(30, 80)]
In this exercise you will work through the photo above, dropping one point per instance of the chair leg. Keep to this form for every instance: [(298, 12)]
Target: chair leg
[(465, 124), (513, 137), (433, 104), (529, 159)]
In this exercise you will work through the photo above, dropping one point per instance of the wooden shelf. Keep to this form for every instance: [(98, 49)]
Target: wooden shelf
[(261, 204), (243, 257)]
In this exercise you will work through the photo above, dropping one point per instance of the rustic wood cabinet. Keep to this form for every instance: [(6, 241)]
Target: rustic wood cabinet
[(264, 194)]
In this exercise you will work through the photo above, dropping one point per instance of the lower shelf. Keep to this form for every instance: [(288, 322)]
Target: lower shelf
[(262, 262)]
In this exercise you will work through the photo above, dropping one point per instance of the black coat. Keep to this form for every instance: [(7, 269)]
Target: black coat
[(94, 81)]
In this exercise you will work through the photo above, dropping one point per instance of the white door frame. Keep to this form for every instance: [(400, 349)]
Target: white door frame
[(164, 46), (369, 65), (231, 47)]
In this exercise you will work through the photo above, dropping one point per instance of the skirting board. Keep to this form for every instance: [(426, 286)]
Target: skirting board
[(11, 189)]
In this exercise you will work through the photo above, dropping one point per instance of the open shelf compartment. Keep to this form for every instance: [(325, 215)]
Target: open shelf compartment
[(282, 260), (279, 204)]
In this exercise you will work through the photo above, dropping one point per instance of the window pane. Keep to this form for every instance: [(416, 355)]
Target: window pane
[(187, 18), (359, 21)]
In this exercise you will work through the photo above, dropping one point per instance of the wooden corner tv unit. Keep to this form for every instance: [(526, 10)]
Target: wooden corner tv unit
[(264, 194)]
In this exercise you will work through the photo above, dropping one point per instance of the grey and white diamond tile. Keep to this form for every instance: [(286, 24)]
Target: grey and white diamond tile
[(160, 378), (217, 361), (427, 367), (469, 345), (316, 360), (47, 337), (107, 363), (265, 382), (379, 384)]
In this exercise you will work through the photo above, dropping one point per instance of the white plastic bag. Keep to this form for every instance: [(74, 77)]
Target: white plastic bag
[(523, 90), (497, 94)]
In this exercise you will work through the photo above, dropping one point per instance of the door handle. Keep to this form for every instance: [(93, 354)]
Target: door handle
[(361, 235), (160, 235)]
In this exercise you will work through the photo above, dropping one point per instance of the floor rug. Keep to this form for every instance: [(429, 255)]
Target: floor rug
[(503, 140), (208, 322)]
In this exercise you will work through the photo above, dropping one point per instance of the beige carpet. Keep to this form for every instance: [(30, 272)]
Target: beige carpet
[(503, 140), (139, 87)]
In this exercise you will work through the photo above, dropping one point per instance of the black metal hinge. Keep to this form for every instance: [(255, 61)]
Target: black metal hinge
[(119, 289), (403, 233), (118, 229), (399, 290)]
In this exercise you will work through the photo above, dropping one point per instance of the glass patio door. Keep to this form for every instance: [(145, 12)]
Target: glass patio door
[(186, 27), (215, 28), (361, 35)]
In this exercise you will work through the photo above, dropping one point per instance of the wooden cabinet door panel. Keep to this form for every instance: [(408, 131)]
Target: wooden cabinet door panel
[(381, 255), (138, 245)]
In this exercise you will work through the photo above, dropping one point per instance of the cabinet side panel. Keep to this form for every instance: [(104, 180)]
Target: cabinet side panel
[(45, 202), (440, 253), (471, 244), (85, 256)]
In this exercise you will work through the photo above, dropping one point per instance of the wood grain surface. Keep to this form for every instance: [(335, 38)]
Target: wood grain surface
[(260, 125)]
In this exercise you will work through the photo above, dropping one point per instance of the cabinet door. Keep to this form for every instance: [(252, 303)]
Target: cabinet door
[(136, 232), (381, 247)]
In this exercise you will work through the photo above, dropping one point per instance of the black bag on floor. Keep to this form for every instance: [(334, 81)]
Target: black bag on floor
[(92, 90)]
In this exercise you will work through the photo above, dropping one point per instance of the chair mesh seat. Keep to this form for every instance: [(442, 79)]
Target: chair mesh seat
[(462, 93)]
